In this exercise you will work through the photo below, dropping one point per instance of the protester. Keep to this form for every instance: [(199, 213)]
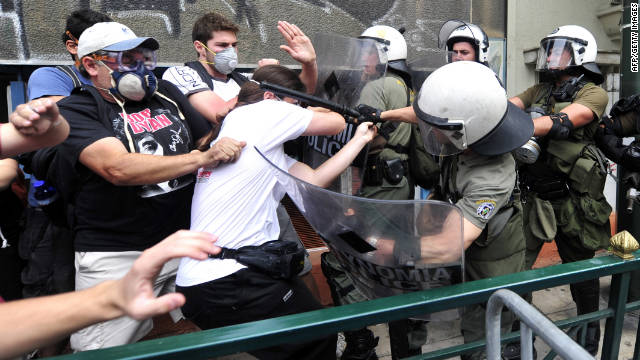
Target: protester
[(46, 244), (31, 323), (104, 170), (212, 83), (33, 125)]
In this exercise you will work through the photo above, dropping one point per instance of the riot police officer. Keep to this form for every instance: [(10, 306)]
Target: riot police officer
[(390, 174), (462, 111), (624, 121), (464, 42), (564, 186)]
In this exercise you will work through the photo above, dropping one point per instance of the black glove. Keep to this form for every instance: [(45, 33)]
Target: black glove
[(610, 144), (561, 128), (612, 125), (368, 113)]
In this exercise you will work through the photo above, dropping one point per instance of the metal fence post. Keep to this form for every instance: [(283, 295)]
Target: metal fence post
[(560, 342), (613, 327)]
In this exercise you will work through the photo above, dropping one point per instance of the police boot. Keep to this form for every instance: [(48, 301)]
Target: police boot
[(587, 298), (512, 351), (361, 345), (592, 338)]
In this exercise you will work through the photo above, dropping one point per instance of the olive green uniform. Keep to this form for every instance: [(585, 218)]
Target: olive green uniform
[(388, 92), (564, 198), (483, 188)]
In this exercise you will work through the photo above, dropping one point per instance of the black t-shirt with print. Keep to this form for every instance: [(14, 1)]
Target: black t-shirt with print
[(125, 218)]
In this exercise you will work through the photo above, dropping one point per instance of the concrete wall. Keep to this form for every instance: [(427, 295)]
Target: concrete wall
[(529, 21), (31, 30)]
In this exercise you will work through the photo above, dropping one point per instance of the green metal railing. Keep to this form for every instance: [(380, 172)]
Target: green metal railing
[(309, 325)]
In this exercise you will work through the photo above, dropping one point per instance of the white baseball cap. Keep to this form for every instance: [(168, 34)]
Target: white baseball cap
[(111, 36)]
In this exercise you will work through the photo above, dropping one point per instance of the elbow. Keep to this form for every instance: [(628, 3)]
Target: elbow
[(116, 175)]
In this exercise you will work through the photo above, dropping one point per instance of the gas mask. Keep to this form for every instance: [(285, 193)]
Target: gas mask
[(530, 151), (224, 61), (134, 85)]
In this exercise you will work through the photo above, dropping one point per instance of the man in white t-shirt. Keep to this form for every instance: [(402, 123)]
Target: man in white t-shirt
[(211, 83), (238, 204)]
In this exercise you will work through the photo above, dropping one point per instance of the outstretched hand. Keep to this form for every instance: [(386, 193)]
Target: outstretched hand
[(298, 45), (367, 131), (35, 117), (134, 292)]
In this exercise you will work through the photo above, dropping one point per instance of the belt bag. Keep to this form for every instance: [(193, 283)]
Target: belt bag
[(277, 258)]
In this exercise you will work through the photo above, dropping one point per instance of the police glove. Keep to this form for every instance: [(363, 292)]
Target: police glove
[(612, 125), (610, 144), (368, 113), (561, 128)]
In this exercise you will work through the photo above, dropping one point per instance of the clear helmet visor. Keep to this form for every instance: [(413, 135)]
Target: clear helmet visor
[(441, 137), (555, 54)]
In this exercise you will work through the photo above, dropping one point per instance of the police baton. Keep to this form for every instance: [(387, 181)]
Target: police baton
[(351, 115)]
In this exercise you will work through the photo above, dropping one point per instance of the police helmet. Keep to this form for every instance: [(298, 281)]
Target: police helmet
[(569, 48), (454, 31), (396, 46), (462, 105)]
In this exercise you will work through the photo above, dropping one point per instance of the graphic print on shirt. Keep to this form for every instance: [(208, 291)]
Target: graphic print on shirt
[(156, 131)]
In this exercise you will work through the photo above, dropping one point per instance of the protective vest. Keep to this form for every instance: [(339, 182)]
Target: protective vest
[(576, 159), (502, 237)]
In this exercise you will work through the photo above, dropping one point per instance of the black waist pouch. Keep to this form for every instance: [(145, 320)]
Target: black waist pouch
[(277, 258)]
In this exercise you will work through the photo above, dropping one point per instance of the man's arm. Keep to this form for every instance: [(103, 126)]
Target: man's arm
[(405, 114), (8, 172), (324, 122), (440, 249), (200, 96), (32, 323), (330, 169), (33, 125), (517, 102), (109, 158), (578, 114), (210, 105), (301, 49)]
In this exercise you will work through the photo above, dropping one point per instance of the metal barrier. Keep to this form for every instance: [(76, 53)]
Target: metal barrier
[(314, 324), (530, 319)]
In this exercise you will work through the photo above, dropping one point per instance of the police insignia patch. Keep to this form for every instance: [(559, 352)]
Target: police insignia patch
[(485, 209)]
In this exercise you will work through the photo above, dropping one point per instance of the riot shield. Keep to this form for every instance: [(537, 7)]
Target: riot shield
[(420, 68), (387, 247), (345, 66)]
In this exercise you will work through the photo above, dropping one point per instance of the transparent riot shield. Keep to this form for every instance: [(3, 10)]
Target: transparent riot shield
[(420, 68), (345, 66), (386, 247)]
